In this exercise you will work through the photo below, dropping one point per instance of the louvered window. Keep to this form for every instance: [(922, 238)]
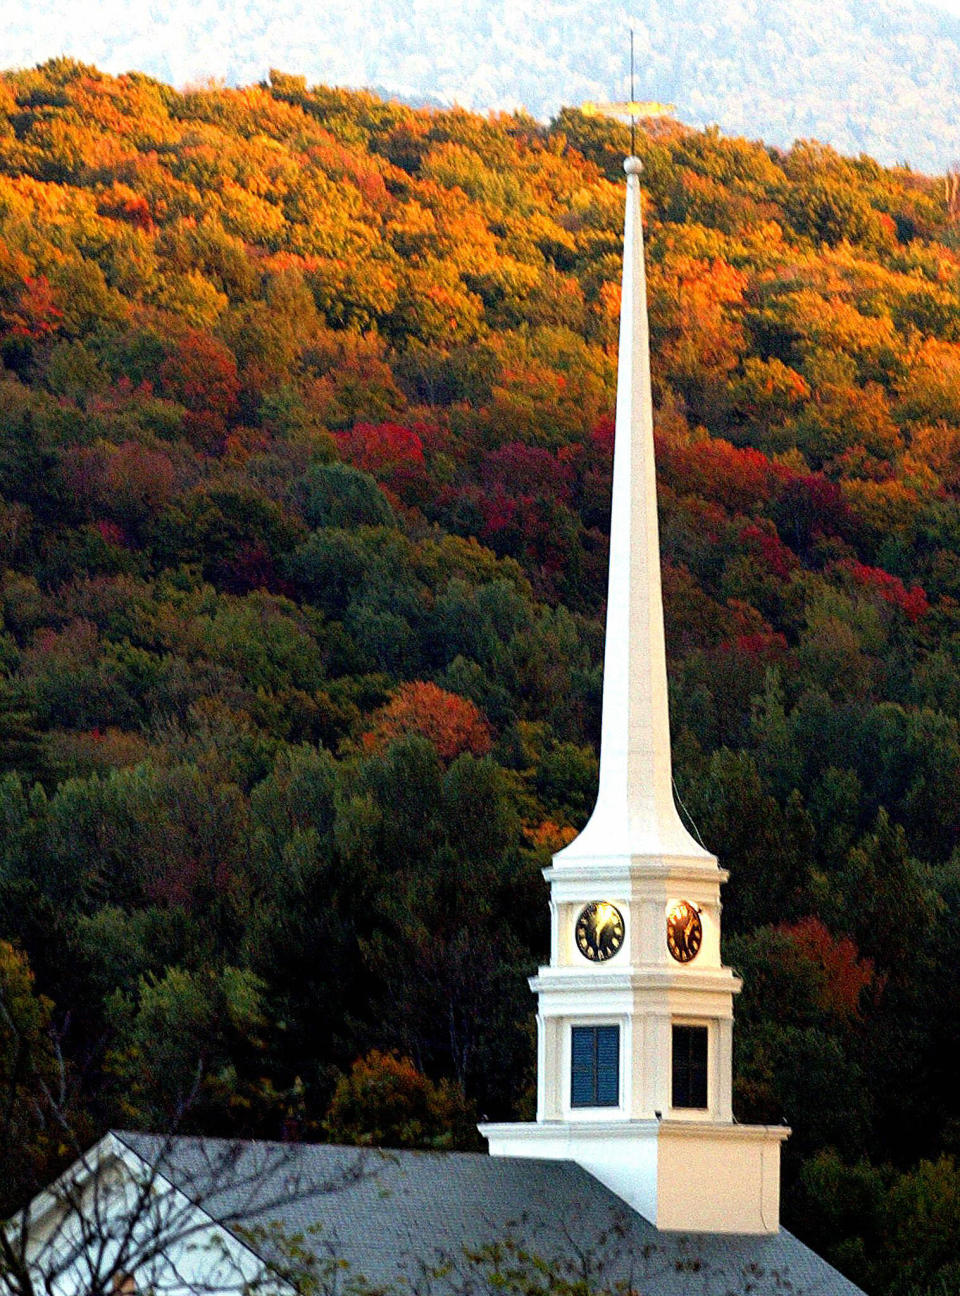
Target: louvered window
[(596, 1066), (690, 1066)]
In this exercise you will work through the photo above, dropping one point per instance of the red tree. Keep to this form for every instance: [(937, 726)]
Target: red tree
[(453, 724)]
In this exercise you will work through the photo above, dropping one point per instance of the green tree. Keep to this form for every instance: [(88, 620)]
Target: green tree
[(341, 496), (766, 848), (188, 1048), (31, 1079)]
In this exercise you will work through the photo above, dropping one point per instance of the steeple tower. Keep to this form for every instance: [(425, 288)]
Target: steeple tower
[(635, 1009)]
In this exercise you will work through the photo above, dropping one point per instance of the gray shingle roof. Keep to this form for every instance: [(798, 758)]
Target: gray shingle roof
[(392, 1216)]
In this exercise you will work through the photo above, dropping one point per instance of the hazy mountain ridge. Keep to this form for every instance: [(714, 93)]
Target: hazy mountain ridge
[(881, 78)]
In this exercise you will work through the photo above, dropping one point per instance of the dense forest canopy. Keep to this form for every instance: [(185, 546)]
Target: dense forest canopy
[(306, 404)]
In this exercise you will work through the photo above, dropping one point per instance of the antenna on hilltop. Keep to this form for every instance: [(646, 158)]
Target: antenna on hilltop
[(952, 181), (633, 115), (631, 108)]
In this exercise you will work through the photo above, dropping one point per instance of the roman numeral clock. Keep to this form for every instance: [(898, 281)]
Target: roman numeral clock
[(599, 930)]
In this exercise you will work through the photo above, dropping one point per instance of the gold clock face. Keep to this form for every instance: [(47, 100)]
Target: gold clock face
[(599, 931), (684, 931)]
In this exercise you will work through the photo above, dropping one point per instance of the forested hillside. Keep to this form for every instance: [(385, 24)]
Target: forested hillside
[(874, 76), (306, 408)]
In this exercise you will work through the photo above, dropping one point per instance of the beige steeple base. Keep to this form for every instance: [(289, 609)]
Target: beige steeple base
[(681, 1175)]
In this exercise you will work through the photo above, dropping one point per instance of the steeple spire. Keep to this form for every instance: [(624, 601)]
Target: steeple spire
[(635, 814)]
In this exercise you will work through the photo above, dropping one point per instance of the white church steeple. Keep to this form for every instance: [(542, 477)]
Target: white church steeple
[(635, 812), (635, 1009)]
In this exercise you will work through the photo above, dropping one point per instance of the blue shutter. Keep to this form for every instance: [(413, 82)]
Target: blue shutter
[(608, 1066), (584, 1076), (595, 1066)]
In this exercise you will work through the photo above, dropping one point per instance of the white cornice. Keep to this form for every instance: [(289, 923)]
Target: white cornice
[(636, 871), (603, 1130), (596, 980)]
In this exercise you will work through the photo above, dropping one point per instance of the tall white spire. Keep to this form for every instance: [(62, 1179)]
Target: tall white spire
[(635, 814), (635, 1008)]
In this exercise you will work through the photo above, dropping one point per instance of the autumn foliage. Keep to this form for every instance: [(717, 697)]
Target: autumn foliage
[(306, 434), (452, 724), (385, 1101), (842, 973)]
